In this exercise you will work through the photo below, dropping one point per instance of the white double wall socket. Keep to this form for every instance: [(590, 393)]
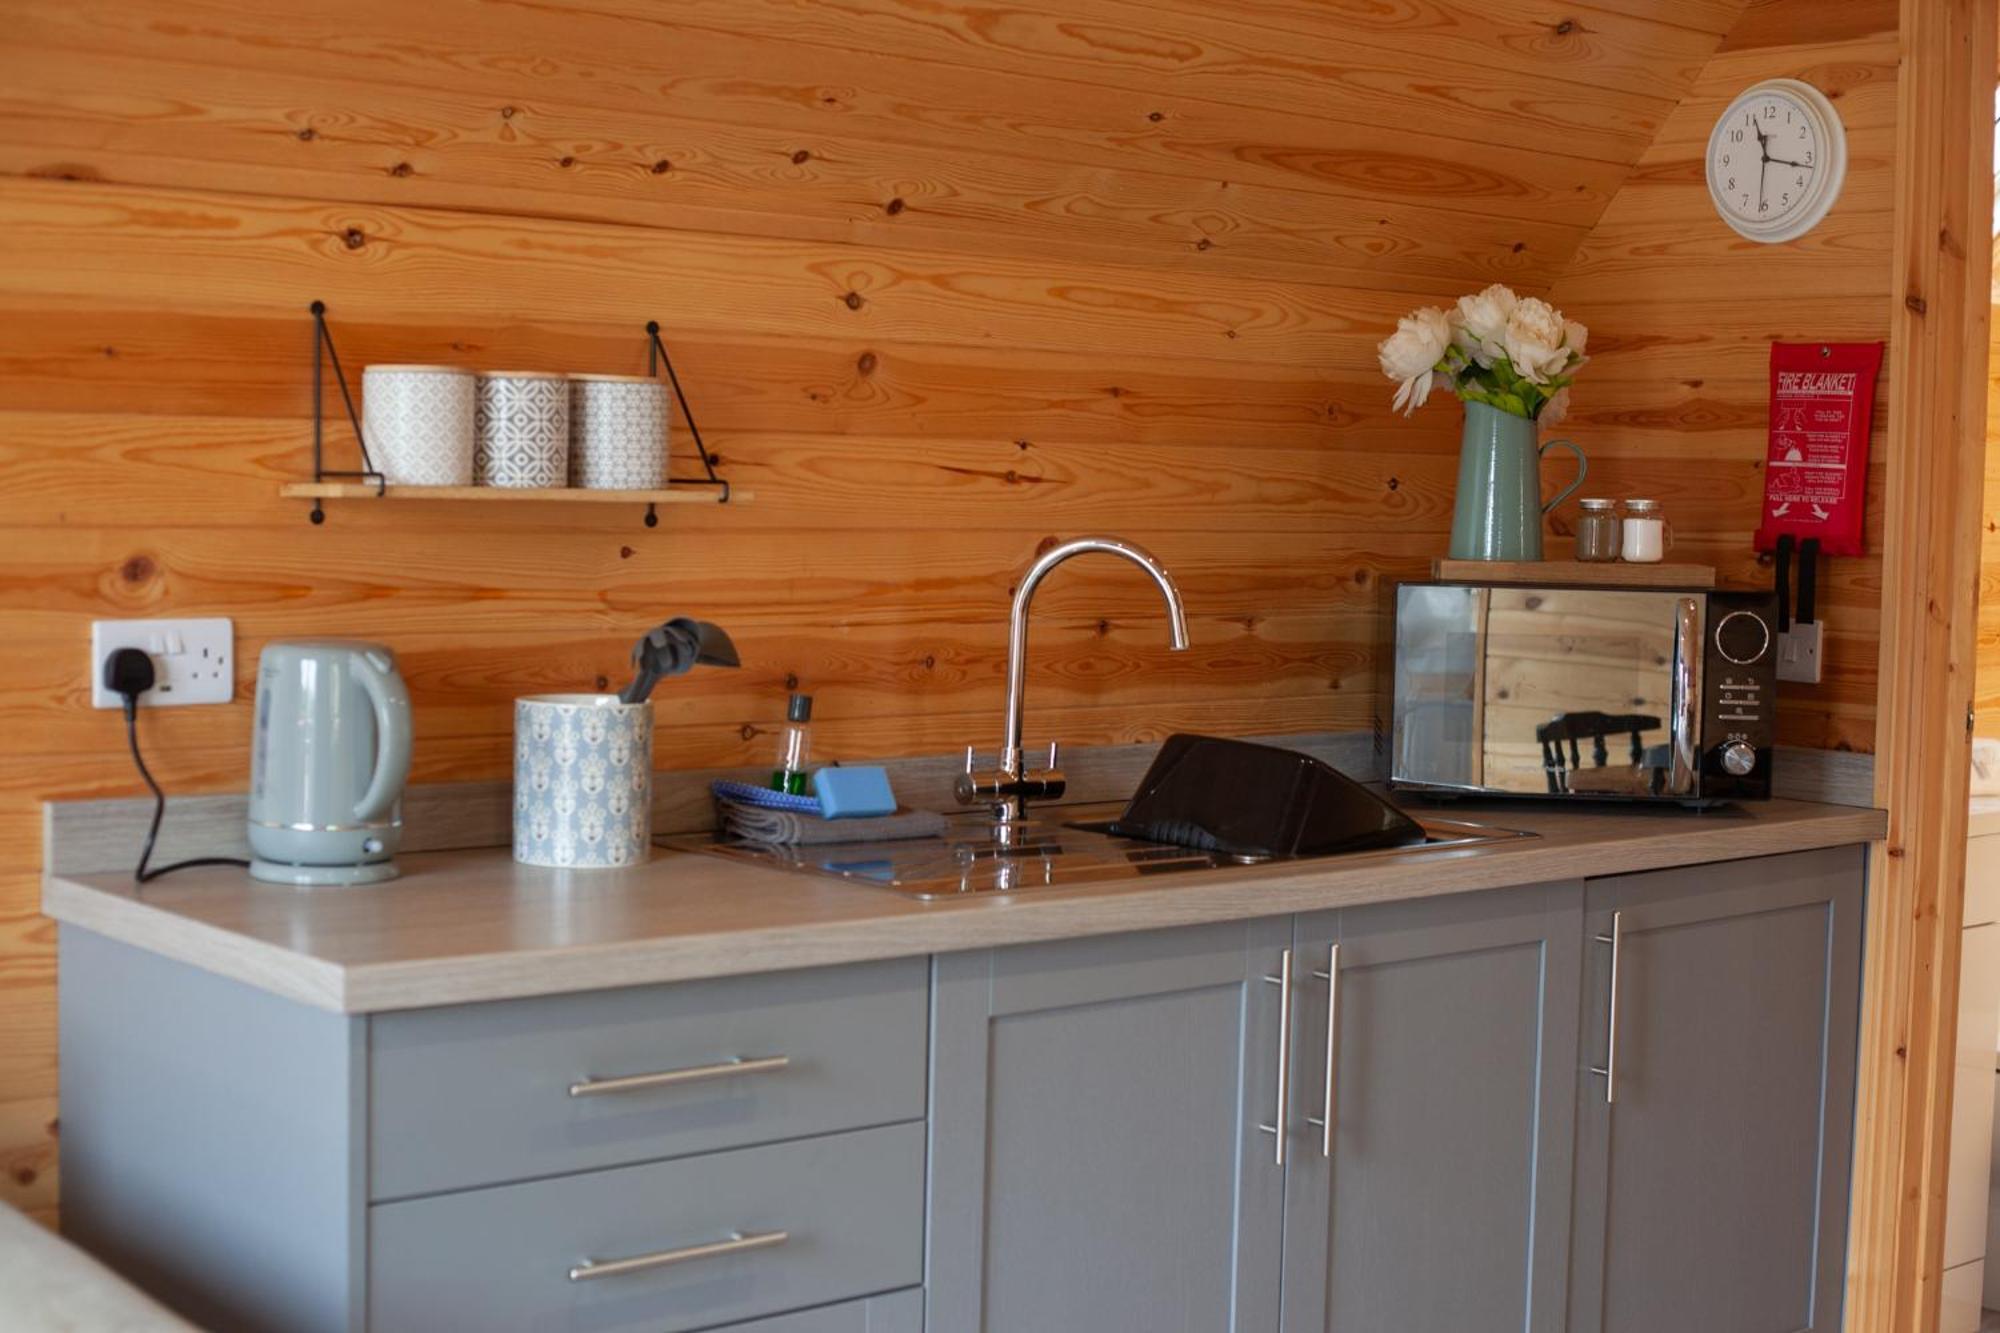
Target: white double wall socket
[(194, 661)]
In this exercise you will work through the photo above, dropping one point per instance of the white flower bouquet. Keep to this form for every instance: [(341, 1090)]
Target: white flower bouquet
[(1516, 354)]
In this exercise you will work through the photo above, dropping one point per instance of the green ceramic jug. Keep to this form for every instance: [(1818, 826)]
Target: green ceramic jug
[(1498, 512)]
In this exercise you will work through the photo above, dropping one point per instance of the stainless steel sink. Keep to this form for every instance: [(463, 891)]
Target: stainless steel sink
[(1058, 848)]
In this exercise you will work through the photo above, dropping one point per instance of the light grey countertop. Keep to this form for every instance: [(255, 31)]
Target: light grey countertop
[(463, 926)]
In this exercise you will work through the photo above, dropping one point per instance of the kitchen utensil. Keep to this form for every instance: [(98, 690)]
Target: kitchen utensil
[(331, 754), (618, 432), (419, 423), (521, 429), (681, 644), (583, 780), (1497, 513)]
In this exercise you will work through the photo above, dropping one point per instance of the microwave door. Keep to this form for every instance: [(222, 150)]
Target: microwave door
[(1587, 692)]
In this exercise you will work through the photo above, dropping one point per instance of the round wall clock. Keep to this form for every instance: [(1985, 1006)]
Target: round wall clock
[(1776, 160)]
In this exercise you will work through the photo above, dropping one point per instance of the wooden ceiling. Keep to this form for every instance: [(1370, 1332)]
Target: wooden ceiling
[(1409, 145)]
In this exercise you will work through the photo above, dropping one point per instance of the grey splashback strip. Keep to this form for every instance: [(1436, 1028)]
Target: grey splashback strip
[(1834, 777), (103, 836)]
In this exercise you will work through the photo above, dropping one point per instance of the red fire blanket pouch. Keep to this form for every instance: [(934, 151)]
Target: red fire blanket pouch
[(1816, 472)]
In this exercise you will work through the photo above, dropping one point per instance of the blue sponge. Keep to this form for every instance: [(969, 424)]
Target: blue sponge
[(853, 793)]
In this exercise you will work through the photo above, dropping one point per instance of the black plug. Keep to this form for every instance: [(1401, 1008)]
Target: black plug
[(129, 672)]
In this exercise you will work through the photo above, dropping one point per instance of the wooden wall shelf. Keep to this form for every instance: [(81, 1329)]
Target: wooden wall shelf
[(362, 490), (1607, 573), (317, 491)]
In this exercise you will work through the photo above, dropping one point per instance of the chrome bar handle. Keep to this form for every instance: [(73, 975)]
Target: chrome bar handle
[(1608, 1071), (1324, 1121), (1283, 981), (667, 1078), (738, 1243), (1686, 702)]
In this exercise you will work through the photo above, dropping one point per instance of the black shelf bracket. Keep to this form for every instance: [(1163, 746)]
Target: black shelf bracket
[(656, 358), (323, 354)]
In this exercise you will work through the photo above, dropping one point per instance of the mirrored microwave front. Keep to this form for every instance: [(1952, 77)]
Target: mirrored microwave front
[(1601, 693)]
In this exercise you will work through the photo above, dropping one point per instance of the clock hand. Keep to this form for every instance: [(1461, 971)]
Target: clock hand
[(1780, 162)]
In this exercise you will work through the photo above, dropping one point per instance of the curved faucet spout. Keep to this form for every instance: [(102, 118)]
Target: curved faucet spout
[(1017, 636)]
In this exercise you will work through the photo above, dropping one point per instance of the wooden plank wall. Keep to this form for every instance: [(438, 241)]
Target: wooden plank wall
[(1682, 313), (943, 280)]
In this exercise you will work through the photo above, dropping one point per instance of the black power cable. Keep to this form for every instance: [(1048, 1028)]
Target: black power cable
[(129, 673)]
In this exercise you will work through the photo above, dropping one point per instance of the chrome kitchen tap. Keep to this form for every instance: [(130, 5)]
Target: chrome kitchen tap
[(1011, 785)]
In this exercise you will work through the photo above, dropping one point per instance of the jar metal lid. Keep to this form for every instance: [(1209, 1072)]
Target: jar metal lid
[(1598, 504), (415, 370), (1642, 506)]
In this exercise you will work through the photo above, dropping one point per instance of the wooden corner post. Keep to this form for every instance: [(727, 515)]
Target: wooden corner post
[(1936, 443)]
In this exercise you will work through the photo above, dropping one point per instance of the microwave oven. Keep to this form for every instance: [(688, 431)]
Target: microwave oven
[(1597, 693)]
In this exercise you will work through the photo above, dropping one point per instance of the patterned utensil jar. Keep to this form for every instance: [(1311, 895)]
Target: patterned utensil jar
[(618, 432), (521, 435), (418, 421), (583, 780)]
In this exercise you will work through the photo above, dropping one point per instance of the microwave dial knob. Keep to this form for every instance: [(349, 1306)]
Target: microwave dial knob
[(1743, 637), (1739, 758)]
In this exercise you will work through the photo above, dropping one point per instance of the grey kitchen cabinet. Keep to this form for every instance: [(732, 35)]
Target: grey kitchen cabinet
[(258, 1164), (1439, 1198), (1096, 1161), (1713, 1150)]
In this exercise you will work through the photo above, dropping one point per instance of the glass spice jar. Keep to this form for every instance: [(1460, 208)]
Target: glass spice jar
[(1597, 531), (1646, 536)]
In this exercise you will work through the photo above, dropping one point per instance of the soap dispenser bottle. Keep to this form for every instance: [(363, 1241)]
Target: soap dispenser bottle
[(794, 747)]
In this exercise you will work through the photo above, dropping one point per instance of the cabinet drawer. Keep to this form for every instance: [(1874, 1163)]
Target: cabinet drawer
[(849, 1208), (896, 1312), (480, 1094)]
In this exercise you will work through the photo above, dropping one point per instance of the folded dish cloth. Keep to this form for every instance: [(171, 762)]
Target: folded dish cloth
[(757, 824)]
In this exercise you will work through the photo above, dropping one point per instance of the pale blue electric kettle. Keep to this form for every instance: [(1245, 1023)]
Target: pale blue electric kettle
[(331, 755)]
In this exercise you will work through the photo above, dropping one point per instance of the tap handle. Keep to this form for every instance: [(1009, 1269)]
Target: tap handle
[(968, 758), (1055, 753)]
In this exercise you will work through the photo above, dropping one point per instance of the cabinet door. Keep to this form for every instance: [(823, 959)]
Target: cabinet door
[(1713, 1158), (1096, 1161), (1440, 1200)]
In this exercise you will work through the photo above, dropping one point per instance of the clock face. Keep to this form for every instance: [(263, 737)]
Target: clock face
[(1776, 160)]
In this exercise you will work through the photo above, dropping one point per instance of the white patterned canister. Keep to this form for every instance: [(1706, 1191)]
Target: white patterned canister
[(521, 432), (419, 423), (583, 780), (618, 432)]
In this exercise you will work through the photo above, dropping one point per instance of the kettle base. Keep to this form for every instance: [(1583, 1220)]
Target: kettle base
[(368, 872)]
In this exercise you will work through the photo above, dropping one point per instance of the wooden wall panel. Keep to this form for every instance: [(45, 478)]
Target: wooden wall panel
[(944, 281), (1682, 312)]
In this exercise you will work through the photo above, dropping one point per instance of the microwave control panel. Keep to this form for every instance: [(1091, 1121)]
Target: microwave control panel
[(1739, 689)]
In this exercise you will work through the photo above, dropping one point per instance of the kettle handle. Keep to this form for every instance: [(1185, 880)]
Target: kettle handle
[(391, 700)]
